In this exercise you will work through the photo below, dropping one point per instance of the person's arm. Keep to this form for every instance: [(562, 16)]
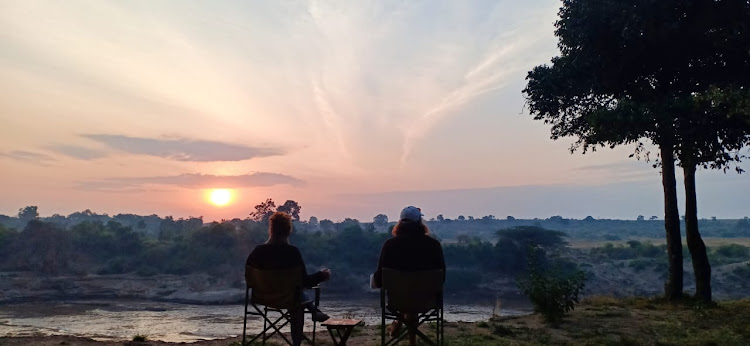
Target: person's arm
[(441, 259), (378, 276), (249, 263), (310, 280)]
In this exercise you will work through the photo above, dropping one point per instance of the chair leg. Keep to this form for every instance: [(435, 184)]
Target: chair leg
[(244, 322), (382, 317), (265, 319), (382, 328), (442, 327)]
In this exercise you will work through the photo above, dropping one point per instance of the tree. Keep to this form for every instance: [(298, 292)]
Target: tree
[(716, 130), (380, 221), (514, 246), (27, 214), (640, 218), (510, 218), (290, 207), (440, 218), (313, 222), (327, 225), (624, 75), (263, 211), (461, 218)]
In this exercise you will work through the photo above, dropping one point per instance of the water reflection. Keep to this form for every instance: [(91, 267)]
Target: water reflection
[(121, 320)]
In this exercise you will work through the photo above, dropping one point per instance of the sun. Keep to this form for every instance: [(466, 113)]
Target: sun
[(220, 197)]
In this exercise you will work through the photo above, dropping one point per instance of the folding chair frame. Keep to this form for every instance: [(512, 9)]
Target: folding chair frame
[(436, 315), (271, 324)]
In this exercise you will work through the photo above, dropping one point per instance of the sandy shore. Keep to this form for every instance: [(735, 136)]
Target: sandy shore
[(597, 321), (367, 335)]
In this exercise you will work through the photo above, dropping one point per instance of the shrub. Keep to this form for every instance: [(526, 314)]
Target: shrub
[(742, 272), (733, 251), (639, 264), (501, 330), (139, 338), (553, 292)]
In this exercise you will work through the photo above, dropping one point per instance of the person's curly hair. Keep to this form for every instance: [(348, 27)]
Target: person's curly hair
[(404, 227), (280, 225)]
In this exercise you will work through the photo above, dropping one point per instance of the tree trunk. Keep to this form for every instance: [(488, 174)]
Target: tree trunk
[(673, 286), (701, 266)]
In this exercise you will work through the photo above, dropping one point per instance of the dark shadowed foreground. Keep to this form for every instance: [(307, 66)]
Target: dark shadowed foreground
[(598, 321)]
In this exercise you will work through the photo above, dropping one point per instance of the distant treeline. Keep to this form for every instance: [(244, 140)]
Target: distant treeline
[(477, 251), (98, 244), (484, 227)]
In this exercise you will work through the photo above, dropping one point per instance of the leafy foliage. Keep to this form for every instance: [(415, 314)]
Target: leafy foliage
[(553, 292), (263, 211), (290, 207)]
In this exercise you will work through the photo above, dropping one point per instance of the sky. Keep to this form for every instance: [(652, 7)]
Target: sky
[(350, 108)]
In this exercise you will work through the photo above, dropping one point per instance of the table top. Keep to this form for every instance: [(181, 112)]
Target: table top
[(341, 322)]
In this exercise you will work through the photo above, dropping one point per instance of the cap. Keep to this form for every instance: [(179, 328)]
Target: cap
[(411, 213)]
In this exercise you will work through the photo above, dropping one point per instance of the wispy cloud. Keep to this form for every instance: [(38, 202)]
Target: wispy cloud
[(77, 152), (193, 180), (183, 149), (619, 171), (29, 156)]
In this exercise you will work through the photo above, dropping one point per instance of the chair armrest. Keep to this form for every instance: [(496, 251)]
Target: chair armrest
[(317, 295)]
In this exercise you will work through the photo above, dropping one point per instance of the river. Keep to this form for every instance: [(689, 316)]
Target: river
[(121, 320)]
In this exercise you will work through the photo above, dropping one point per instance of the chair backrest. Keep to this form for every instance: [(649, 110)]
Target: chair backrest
[(418, 291), (280, 289)]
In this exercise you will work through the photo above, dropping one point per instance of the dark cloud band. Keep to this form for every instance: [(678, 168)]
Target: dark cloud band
[(183, 149), (195, 181), (28, 156)]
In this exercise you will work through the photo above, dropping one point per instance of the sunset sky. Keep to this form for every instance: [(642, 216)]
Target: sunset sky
[(351, 108)]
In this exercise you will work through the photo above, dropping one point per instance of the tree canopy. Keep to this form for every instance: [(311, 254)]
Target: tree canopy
[(675, 73)]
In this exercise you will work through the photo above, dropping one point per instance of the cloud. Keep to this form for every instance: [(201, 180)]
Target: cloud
[(29, 156), (183, 149), (625, 165), (194, 180), (620, 171), (80, 153)]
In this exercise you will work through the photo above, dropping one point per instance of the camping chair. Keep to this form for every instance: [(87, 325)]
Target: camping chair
[(274, 291), (419, 293)]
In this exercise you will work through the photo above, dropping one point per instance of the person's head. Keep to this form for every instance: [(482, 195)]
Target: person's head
[(410, 222), (279, 225)]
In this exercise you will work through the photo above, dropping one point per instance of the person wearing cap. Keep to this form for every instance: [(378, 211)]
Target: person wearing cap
[(410, 249)]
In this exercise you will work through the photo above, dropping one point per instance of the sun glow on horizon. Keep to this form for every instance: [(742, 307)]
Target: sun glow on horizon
[(220, 197)]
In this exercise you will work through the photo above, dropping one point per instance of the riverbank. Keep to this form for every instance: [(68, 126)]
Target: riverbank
[(596, 321)]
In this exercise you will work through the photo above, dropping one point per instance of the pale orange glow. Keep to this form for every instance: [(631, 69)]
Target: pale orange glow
[(220, 197)]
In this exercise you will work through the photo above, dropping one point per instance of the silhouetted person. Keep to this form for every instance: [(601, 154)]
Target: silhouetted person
[(277, 254), (410, 249)]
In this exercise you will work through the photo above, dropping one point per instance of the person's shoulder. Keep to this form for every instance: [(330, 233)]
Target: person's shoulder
[(261, 247), (432, 240), (257, 248), (392, 240), (283, 247)]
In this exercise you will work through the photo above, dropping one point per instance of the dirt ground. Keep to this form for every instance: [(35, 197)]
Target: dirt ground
[(597, 321)]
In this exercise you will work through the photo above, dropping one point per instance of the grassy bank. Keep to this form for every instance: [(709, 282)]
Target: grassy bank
[(597, 321), (608, 321)]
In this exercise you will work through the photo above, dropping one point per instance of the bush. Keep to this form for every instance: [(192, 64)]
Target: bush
[(553, 292), (140, 338), (742, 272), (639, 264), (733, 251)]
